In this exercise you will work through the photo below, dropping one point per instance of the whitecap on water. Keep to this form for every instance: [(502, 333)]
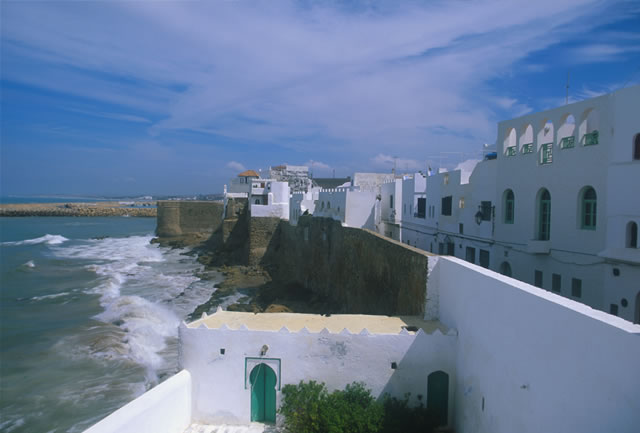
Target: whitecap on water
[(46, 239)]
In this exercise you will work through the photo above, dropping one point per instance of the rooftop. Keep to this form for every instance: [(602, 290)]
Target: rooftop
[(315, 323), (249, 173)]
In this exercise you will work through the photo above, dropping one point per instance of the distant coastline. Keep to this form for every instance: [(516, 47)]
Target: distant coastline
[(97, 209)]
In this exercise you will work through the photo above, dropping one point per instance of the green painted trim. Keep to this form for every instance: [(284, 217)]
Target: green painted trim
[(246, 361), (527, 148)]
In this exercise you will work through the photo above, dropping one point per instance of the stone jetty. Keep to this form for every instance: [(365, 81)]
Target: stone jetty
[(100, 209)]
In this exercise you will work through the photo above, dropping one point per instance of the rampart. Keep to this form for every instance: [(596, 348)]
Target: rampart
[(180, 218), (363, 272)]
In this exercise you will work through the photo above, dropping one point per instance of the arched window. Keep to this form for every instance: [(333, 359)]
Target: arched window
[(509, 146), (526, 139), (545, 142), (588, 130), (566, 137), (322, 207), (589, 208), (505, 269), (257, 201), (328, 205), (544, 215), (632, 235), (636, 147), (509, 207)]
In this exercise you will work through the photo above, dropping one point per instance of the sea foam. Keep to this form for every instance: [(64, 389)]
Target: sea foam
[(46, 239)]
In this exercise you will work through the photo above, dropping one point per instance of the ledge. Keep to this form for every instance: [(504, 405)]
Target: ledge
[(538, 247)]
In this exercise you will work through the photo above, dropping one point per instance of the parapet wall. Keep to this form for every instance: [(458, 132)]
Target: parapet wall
[(362, 271), (179, 218)]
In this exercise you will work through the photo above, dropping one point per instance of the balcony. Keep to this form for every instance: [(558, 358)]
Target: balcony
[(591, 138), (568, 142), (527, 148), (511, 151)]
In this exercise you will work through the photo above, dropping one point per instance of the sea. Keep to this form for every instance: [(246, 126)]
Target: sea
[(89, 311)]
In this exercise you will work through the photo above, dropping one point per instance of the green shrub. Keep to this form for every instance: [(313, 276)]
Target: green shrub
[(309, 408)]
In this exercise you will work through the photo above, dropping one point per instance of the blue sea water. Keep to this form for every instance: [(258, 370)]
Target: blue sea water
[(89, 311)]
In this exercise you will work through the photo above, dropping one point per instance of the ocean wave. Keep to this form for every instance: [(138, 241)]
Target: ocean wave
[(29, 264), (55, 295), (46, 239)]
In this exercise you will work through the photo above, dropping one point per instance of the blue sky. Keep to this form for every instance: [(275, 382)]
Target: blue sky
[(162, 97)]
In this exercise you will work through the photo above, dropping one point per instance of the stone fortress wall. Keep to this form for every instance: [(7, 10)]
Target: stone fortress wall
[(361, 271), (180, 218)]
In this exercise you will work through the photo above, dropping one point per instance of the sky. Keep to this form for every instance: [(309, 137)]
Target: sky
[(163, 97)]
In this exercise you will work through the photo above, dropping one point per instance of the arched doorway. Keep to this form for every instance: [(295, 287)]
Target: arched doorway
[(505, 269), (263, 394), (438, 396)]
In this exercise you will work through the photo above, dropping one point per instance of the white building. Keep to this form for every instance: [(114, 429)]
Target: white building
[(496, 356), (269, 198), (349, 205), (558, 208)]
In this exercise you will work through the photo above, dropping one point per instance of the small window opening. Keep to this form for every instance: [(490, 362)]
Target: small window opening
[(576, 287), (632, 235)]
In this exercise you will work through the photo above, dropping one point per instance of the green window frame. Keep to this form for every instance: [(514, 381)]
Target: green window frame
[(591, 138), (589, 209), (546, 153), (509, 207), (527, 148), (544, 216), (511, 151)]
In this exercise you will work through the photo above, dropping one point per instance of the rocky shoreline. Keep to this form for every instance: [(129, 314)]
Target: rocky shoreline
[(99, 209)]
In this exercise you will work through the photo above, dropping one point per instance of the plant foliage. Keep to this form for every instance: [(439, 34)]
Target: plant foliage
[(309, 408)]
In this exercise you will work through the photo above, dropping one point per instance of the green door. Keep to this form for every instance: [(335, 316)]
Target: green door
[(438, 395), (263, 394)]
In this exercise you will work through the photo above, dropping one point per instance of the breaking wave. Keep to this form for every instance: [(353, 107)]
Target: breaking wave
[(46, 239)]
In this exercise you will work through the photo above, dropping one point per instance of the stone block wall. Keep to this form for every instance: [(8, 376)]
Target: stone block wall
[(179, 218), (364, 272)]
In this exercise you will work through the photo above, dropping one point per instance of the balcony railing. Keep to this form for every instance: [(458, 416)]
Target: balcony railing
[(567, 142), (511, 151), (546, 153), (591, 138), (527, 148)]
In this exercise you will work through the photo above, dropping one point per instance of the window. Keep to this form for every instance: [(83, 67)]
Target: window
[(446, 205), (544, 215), (576, 287), (526, 139), (328, 205), (422, 204), (484, 258), (257, 201), (613, 309), (446, 179), (636, 147), (591, 139), (546, 153), (588, 219), (471, 255), (461, 228), (391, 200), (509, 207), (556, 282), (485, 209), (404, 208), (537, 279), (440, 248), (451, 249), (461, 203), (566, 137), (632, 235)]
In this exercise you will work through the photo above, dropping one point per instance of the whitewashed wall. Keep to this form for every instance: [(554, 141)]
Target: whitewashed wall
[(219, 393), (163, 409), (538, 361)]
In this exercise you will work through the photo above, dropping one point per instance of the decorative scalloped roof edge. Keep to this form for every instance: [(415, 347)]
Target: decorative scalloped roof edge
[(284, 330), (243, 327), (404, 332), (324, 331), (304, 330), (219, 309), (364, 331), (345, 331)]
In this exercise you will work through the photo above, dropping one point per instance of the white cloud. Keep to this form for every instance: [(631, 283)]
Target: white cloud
[(234, 165), (387, 162), (412, 77), (317, 165)]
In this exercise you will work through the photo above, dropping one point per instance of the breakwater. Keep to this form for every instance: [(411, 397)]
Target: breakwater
[(101, 209)]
